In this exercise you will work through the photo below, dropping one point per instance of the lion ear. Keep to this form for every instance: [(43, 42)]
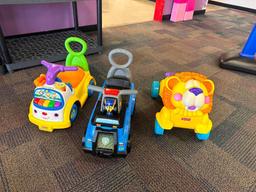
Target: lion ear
[(209, 86), (172, 81)]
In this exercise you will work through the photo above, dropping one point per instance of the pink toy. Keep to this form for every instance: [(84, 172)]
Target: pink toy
[(159, 8), (178, 10), (189, 10), (182, 10)]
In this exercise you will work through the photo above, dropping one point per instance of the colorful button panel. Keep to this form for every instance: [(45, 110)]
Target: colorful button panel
[(47, 103)]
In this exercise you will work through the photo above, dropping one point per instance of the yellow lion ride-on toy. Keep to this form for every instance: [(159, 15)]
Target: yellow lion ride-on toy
[(187, 98), (59, 94)]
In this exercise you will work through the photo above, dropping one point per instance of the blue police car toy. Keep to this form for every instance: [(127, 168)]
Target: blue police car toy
[(109, 127)]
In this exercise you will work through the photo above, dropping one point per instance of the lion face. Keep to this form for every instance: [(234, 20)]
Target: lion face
[(190, 94)]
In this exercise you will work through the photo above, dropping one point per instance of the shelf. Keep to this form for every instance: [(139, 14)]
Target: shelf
[(28, 51)]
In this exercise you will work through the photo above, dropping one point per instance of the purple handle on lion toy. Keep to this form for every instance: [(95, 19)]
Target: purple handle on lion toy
[(53, 71), (168, 74)]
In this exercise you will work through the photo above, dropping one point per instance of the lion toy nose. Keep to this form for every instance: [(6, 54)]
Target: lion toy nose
[(192, 107), (196, 91)]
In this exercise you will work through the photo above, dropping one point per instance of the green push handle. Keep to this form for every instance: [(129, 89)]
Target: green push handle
[(76, 40), (76, 58)]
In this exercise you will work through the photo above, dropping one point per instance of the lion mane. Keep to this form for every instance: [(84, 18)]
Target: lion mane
[(184, 77)]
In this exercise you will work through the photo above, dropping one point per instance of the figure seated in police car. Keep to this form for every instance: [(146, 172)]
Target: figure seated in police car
[(110, 106)]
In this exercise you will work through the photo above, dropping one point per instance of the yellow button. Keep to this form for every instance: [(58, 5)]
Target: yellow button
[(46, 103), (60, 86)]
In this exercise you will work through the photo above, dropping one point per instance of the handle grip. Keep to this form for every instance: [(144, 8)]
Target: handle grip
[(124, 52)]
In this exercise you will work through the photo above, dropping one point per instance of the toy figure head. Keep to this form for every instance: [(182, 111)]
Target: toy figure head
[(189, 91), (109, 105)]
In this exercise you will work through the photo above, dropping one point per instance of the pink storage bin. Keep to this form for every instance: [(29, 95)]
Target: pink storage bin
[(189, 10), (178, 12), (188, 15)]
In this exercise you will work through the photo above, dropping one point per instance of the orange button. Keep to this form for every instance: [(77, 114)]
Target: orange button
[(41, 102)]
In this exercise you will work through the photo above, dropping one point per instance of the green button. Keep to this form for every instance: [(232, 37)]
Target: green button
[(51, 104)]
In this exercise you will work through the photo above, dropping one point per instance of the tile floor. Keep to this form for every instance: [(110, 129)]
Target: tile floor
[(124, 12)]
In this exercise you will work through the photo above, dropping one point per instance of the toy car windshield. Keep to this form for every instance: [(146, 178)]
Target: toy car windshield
[(107, 121)]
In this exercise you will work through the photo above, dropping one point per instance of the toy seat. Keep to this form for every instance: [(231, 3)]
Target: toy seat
[(118, 83), (72, 77), (115, 72)]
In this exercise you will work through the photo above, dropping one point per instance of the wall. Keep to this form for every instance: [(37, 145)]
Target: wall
[(201, 5), (22, 19), (251, 4)]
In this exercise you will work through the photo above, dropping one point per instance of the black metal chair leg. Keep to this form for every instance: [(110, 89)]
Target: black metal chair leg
[(99, 23), (4, 52), (75, 15)]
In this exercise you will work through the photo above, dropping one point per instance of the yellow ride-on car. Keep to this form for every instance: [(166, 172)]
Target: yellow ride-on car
[(59, 94)]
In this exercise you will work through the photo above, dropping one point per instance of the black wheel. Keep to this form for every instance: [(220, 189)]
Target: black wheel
[(134, 108), (73, 113), (128, 148), (155, 88), (90, 92), (129, 145)]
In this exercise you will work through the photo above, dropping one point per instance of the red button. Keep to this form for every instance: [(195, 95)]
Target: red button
[(36, 100), (44, 113)]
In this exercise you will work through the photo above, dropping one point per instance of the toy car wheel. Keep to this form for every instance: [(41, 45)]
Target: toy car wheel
[(73, 113), (203, 137), (129, 146), (90, 92), (158, 129), (155, 89), (134, 107)]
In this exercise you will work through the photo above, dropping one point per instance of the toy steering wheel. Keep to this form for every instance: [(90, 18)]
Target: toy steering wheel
[(53, 71), (123, 51)]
